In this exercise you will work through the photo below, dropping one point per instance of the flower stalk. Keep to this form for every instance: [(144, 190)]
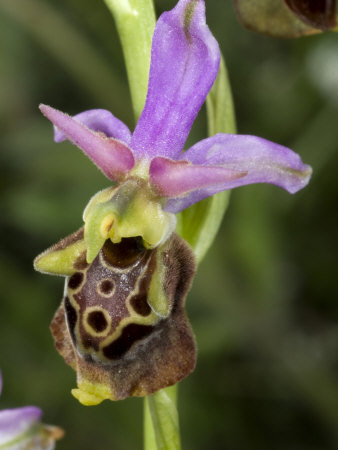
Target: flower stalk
[(135, 21), (161, 423)]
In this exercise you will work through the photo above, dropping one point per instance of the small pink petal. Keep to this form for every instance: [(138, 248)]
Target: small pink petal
[(112, 157), (99, 120), (175, 178)]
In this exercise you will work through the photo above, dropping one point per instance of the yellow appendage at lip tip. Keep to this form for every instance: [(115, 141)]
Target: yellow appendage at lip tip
[(90, 394)]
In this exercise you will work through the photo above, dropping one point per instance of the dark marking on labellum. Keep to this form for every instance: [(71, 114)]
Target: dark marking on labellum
[(130, 334), (143, 358), (317, 13), (97, 321), (71, 315), (106, 287), (75, 280), (89, 342), (140, 305), (139, 301), (81, 262), (123, 254)]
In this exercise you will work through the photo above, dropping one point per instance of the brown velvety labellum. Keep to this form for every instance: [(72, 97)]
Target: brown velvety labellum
[(107, 330), (317, 13)]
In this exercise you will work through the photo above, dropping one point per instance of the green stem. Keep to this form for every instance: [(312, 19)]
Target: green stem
[(161, 426), (135, 21)]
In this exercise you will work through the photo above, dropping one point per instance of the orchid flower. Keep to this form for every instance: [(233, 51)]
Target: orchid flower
[(21, 429), (184, 63), (287, 18), (122, 324)]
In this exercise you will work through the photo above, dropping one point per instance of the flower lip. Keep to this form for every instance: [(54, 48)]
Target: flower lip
[(287, 18), (318, 14)]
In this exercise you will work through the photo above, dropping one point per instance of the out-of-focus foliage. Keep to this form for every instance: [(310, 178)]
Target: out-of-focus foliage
[(264, 305)]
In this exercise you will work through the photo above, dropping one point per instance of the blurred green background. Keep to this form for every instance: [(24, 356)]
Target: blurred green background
[(264, 304)]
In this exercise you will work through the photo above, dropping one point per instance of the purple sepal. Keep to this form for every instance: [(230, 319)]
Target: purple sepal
[(184, 64), (111, 156), (99, 120), (178, 178), (14, 422), (262, 160)]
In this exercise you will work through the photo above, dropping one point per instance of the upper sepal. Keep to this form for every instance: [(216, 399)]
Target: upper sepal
[(184, 63)]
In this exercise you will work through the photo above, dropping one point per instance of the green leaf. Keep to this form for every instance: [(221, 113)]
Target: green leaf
[(135, 21), (199, 224), (220, 107)]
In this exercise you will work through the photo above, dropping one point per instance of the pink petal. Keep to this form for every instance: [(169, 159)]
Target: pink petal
[(111, 156), (99, 120), (177, 178), (260, 161)]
